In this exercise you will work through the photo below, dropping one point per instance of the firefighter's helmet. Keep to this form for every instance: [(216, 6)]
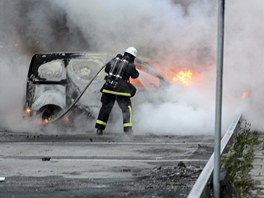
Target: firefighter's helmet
[(132, 51)]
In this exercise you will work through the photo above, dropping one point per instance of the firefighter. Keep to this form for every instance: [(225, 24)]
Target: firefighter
[(118, 88)]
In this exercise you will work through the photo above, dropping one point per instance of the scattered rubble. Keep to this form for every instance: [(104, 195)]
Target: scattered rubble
[(166, 181)]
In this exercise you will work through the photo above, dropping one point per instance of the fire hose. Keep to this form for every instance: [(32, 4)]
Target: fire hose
[(76, 100)]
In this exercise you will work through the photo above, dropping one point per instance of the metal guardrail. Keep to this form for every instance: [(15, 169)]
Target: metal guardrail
[(201, 187)]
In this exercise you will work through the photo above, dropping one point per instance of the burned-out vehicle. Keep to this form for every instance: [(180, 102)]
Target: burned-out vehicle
[(55, 80)]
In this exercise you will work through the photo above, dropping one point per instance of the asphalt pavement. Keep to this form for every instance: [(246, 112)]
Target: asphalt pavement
[(86, 165)]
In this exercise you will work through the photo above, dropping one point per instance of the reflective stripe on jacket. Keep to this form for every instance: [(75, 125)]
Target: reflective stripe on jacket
[(116, 92)]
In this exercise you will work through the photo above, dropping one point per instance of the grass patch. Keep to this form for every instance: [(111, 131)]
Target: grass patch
[(238, 160)]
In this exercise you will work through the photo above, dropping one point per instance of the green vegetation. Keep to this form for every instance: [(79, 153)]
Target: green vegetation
[(238, 160)]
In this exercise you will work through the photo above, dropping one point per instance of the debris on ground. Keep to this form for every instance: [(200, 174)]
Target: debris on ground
[(45, 158), (167, 181)]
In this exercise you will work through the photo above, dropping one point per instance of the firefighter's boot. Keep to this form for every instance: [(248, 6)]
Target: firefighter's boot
[(128, 131), (99, 131)]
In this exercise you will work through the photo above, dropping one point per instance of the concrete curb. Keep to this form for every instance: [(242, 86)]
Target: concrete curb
[(257, 171)]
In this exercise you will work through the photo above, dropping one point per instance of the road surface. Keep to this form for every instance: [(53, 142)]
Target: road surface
[(86, 165)]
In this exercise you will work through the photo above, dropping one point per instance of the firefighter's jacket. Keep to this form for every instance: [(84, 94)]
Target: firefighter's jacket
[(122, 87)]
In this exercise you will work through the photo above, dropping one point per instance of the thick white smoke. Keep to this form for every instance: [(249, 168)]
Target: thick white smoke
[(244, 59), (12, 69), (177, 34)]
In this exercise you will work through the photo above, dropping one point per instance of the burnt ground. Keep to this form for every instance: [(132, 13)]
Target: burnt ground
[(166, 181)]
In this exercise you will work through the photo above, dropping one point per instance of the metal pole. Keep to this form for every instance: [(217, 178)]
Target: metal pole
[(218, 105)]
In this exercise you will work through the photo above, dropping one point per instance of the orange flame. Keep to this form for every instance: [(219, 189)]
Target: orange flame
[(28, 110), (245, 94), (45, 120), (184, 77), (135, 82)]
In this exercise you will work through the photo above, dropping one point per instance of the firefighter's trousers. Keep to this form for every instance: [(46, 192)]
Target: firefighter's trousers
[(108, 101)]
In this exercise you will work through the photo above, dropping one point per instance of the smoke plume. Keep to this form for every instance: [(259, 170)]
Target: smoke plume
[(175, 34)]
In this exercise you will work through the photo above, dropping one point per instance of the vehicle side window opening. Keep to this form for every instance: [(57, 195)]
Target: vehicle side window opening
[(52, 71), (80, 71)]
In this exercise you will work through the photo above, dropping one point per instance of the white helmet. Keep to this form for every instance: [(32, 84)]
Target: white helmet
[(132, 51)]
